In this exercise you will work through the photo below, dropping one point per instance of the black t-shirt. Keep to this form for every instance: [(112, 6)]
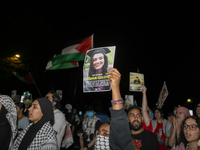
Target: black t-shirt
[(145, 140)]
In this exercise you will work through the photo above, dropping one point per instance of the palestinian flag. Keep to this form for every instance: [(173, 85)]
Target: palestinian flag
[(27, 79), (71, 54), (64, 65)]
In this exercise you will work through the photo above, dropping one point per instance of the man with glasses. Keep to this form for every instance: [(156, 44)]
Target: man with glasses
[(59, 118)]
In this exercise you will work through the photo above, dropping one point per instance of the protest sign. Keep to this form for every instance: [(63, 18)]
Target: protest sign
[(96, 64), (136, 81), (163, 95)]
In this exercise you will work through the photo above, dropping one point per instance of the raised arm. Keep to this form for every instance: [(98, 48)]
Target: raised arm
[(144, 106), (115, 78), (120, 136)]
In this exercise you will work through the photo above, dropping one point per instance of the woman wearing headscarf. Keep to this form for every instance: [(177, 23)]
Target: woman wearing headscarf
[(8, 122), (181, 114), (39, 134)]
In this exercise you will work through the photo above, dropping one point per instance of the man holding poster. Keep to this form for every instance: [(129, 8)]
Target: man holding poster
[(97, 62)]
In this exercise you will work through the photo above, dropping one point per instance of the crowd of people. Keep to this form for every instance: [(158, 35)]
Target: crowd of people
[(47, 127)]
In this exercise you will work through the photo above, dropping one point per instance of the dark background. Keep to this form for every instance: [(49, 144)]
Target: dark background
[(159, 38)]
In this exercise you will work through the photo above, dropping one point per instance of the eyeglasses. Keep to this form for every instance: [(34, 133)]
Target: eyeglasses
[(191, 127)]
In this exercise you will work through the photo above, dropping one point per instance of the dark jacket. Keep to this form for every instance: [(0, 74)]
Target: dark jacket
[(120, 135)]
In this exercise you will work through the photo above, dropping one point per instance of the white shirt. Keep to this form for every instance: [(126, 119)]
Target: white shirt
[(59, 125)]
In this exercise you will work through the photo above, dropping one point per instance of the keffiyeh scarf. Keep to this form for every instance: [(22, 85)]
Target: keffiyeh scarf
[(9, 105), (44, 139), (89, 126), (102, 143)]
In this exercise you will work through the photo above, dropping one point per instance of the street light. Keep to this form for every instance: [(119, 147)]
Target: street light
[(189, 100), (17, 55), (17, 59)]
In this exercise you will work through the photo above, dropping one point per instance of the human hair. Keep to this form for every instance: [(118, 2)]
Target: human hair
[(21, 105), (104, 68), (56, 98), (182, 135), (133, 107), (160, 110), (90, 107)]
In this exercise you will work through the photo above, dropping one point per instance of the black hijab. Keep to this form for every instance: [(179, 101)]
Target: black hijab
[(48, 115), (5, 130)]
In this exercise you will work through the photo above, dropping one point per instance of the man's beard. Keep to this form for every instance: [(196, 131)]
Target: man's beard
[(135, 128)]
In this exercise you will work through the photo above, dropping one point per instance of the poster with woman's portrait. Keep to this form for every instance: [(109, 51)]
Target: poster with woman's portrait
[(129, 101), (136, 81), (96, 64)]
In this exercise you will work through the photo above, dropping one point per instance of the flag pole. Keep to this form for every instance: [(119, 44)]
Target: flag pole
[(35, 84)]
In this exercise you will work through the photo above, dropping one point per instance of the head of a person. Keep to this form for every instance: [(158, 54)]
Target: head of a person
[(102, 139), (198, 110), (104, 130), (90, 111), (69, 108), (98, 61), (74, 111), (190, 130), (135, 118), (41, 109), (20, 108), (54, 98), (182, 113), (158, 113), (174, 111)]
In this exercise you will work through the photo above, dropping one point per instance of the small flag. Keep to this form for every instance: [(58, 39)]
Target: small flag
[(70, 55), (27, 79), (163, 95)]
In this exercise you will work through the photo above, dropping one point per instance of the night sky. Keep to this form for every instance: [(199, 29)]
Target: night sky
[(161, 39)]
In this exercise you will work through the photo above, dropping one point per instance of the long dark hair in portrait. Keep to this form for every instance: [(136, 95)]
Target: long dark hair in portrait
[(92, 71)]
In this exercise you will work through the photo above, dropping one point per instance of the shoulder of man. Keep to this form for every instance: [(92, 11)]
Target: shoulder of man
[(148, 132), (59, 115)]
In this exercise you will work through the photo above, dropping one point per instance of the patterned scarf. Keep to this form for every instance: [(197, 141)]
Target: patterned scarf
[(102, 143), (9, 105), (89, 125), (47, 111), (44, 139)]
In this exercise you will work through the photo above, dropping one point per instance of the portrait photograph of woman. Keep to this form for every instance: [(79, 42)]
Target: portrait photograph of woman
[(96, 64)]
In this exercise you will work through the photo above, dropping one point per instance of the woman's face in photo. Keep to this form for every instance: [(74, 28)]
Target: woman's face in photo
[(191, 135), (35, 113), (98, 61)]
